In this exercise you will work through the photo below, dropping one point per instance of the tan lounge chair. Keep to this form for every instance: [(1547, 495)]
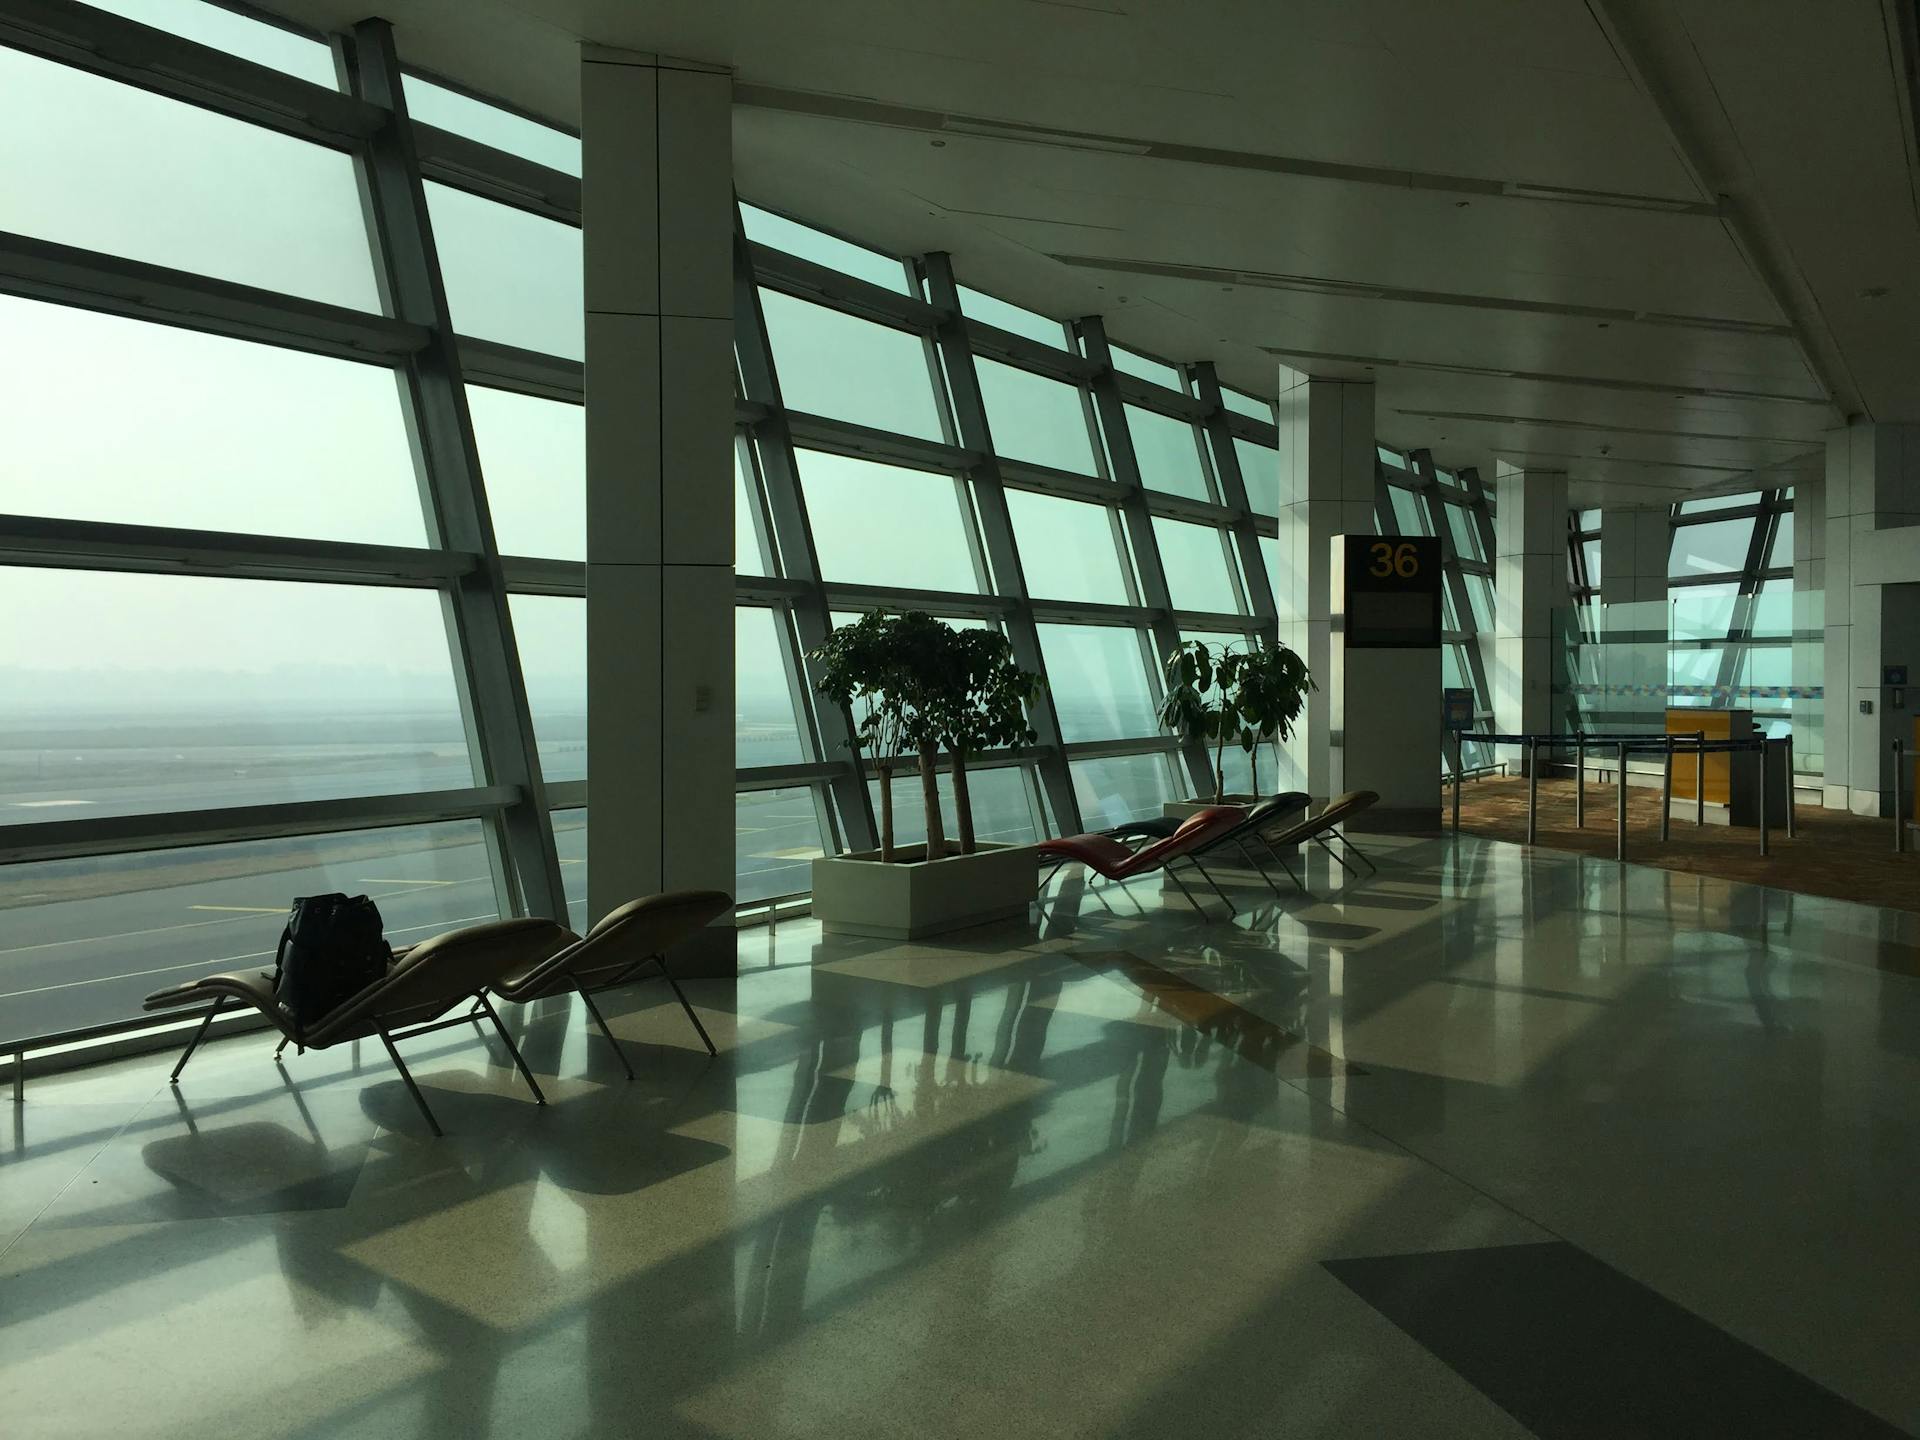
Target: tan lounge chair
[(616, 951), (425, 982), (1319, 828)]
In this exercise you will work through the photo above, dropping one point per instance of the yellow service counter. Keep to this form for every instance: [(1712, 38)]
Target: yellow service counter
[(1730, 779)]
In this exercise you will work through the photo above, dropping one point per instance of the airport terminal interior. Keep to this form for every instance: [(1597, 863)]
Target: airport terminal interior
[(1137, 718)]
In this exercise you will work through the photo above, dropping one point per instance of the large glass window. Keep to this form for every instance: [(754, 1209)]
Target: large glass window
[(877, 524), (129, 694), (776, 835), (533, 453), (747, 556), (1248, 405), (764, 729), (208, 24), (1260, 473), (570, 840), (1159, 372), (766, 228), (1465, 531), (1197, 566), (446, 109), (1001, 814), (87, 939), (122, 421), (1119, 788), (1035, 419), (511, 276), (1098, 677), (1067, 549), (1409, 514), (550, 632), (1167, 454), (1020, 321), (114, 168), (1710, 548), (1781, 556), (847, 368)]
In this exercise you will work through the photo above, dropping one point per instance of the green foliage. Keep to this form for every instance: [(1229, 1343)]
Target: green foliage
[(985, 693), (1270, 685), (1246, 696)]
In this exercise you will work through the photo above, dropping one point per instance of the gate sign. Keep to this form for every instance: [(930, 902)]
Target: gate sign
[(1388, 592), (1456, 710)]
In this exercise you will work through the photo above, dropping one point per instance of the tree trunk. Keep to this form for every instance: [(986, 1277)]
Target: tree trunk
[(1253, 755), (962, 802), (1220, 770), (930, 789), (885, 768)]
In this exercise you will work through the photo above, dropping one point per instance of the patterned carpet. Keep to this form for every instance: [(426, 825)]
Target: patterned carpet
[(1845, 857)]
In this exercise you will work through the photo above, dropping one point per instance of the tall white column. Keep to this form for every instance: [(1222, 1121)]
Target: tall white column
[(1809, 625), (1634, 546), (657, 211), (1872, 607), (1326, 489), (1636, 619), (1530, 597)]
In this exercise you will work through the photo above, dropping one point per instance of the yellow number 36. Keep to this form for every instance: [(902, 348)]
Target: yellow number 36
[(1391, 559)]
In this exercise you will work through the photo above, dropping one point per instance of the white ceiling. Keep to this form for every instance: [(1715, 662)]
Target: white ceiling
[(1671, 301)]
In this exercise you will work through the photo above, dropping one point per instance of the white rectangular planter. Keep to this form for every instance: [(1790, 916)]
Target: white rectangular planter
[(855, 894)]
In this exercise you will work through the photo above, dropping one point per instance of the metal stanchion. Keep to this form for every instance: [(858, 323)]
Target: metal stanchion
[(1533, 790), (1699, 777), (1763, 795), (1789, 744), (1620, 821), (1459, 775), (1899, 799), (1579, 781), (1666, 796)]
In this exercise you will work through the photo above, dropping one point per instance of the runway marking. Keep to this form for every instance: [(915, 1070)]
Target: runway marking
[(212, 967), (244, 909), (411, 881)]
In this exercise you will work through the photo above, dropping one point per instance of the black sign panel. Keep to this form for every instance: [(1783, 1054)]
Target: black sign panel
[(1391, 592)]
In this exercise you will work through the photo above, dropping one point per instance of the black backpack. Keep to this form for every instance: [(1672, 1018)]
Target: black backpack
[(332, 948)]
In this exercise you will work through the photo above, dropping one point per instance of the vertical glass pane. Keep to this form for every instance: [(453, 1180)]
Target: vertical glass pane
[(747, 557), (1409, 514), (132, 694), (570, 839), (1196, 565), (1167, 453), (763, 227), (1098, 677), (1277, 576), (1121, 788), (1590, 557), (1260, 473), (776, 835), (1703, 612), (1390, 458), (255, 40), (1035, 419), (174, 427), (1248, 405), (1465, 531), (1480, 598), (1781, 557), (494, 125), (850, 369), (877, 524), (533, 453), (1710, 548), (1719, 502), (88, 939), (764, 729), (511, 276), (1019, 320), (1067, 549), (551, 634), (1158, 372), (124, 170)]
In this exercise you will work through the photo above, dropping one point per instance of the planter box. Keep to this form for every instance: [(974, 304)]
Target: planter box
[(856, 895)]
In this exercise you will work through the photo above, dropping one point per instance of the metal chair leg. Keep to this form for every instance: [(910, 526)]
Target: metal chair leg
[(705, 1039), (1334, 853), (1254, 860), (412, 1089), (1284, 866), (1365, 859), (1174, 876), (285, 1040), (1195, 861), (514, 1051), (194, 1043), (601, 1021)]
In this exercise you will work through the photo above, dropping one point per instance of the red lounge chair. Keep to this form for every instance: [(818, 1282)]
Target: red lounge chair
[(1107, 857)]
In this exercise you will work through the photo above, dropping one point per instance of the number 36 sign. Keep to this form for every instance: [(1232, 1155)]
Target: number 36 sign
[(1388, 591)]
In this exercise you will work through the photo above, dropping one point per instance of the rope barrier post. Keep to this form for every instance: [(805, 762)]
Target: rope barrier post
[(1666, 796), (1533, 790), (1789, 744), (1459, 775), (1899, 796), (1699, 778), (1579, 781), (1763, 795), (1620, 820)]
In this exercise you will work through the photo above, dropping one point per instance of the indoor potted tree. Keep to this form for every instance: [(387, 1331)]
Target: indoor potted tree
[(1269, 685), (1221, 695), (914, 684), (1199, 706)]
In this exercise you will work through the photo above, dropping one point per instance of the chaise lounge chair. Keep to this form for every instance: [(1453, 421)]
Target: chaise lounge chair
[(425, 982), (615, 952), (1260, 816), (1320, 828), (1113, 860)]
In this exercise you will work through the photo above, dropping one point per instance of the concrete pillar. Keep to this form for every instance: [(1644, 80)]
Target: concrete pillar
[(1634, 546), (1872, 569), (1326, 489), (657, 211), (1635, 621), (1530, 598)]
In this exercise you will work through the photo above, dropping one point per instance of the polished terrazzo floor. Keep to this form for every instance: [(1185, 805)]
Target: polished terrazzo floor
[(1492, 1144)]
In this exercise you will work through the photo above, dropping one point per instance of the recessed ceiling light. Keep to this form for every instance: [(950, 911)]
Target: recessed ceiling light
[(1875, 292), (938, 144), (1603, 324), (1460, 204)]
